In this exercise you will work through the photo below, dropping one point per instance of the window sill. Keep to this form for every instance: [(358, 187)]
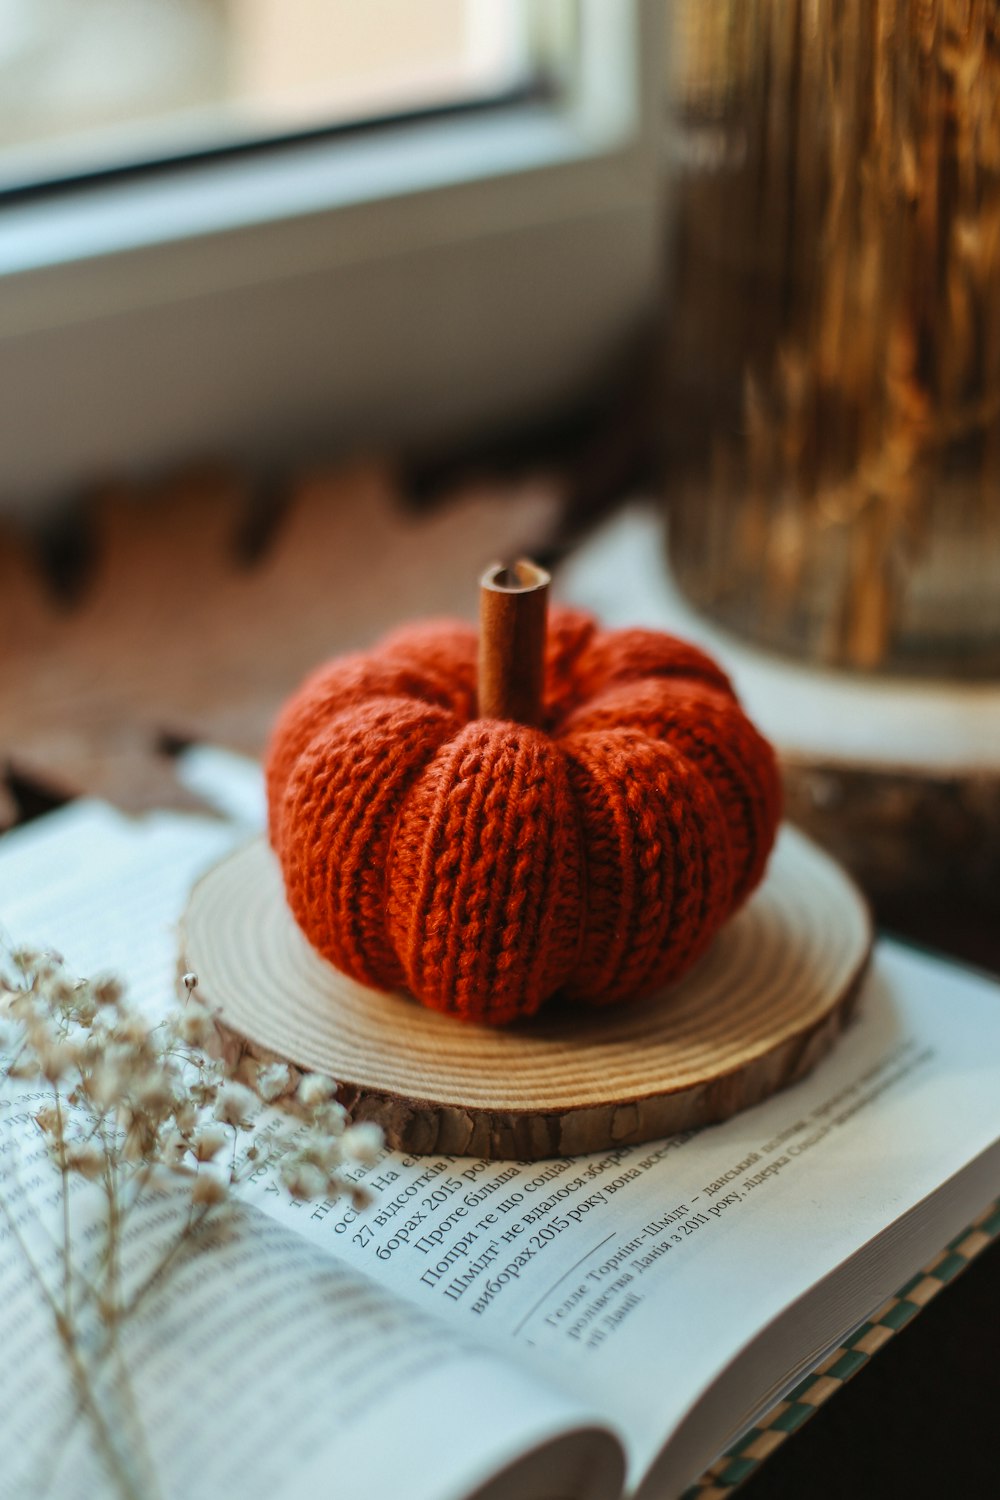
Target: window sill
[(360, 291)]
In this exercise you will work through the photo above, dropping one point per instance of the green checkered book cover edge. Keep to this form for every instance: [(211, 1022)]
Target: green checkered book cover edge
[(758, 1442)]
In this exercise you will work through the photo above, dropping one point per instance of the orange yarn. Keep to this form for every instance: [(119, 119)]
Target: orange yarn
[(488, 866)]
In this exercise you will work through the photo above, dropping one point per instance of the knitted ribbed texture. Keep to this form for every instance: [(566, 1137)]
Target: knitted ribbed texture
[(487, 866)]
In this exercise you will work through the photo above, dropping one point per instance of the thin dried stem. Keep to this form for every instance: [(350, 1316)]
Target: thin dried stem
[(64, 1194)]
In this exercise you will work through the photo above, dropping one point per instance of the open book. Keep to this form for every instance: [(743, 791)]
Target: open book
[(585, 1327)]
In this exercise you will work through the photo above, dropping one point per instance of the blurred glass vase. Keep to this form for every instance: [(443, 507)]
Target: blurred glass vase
[(833, 383)]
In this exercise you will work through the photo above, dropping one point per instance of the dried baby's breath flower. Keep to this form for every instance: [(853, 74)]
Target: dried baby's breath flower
[(196, 1026), (103, 1083), (208, 1141), (363, 1143), (64, 992), (210, 1188), (176, 1149), (315, 1088), (134, 1108), (273, 1081), (83, 1005), (304, 1179), (88, 1160), (329, 1117), (234, 1104), (132, 1029), (48, 1120), (154, 1095), (108, 991), (56, 1058)]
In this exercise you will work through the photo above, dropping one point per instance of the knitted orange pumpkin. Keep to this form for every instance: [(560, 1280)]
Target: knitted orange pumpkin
[(487, 865)]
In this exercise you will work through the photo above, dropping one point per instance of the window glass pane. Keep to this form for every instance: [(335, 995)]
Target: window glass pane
[(90, 85)]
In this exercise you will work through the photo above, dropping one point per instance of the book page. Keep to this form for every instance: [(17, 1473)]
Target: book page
[(636, 1275), (106, 891), (230, 783), (259, 1367), (63, 845)]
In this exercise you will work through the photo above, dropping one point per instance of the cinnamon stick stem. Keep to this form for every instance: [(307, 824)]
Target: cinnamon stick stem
[(513, 602)]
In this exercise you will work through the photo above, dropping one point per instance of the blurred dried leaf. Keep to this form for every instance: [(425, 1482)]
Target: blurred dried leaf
[(176, 638)]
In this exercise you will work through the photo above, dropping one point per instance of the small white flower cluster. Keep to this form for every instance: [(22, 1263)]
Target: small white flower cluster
[(133, 1105), (312, 1168)]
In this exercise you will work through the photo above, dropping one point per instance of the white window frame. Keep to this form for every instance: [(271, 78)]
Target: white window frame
[(377, 289)]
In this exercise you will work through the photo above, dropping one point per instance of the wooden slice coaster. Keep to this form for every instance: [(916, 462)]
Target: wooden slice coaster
[(757, 1012)]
